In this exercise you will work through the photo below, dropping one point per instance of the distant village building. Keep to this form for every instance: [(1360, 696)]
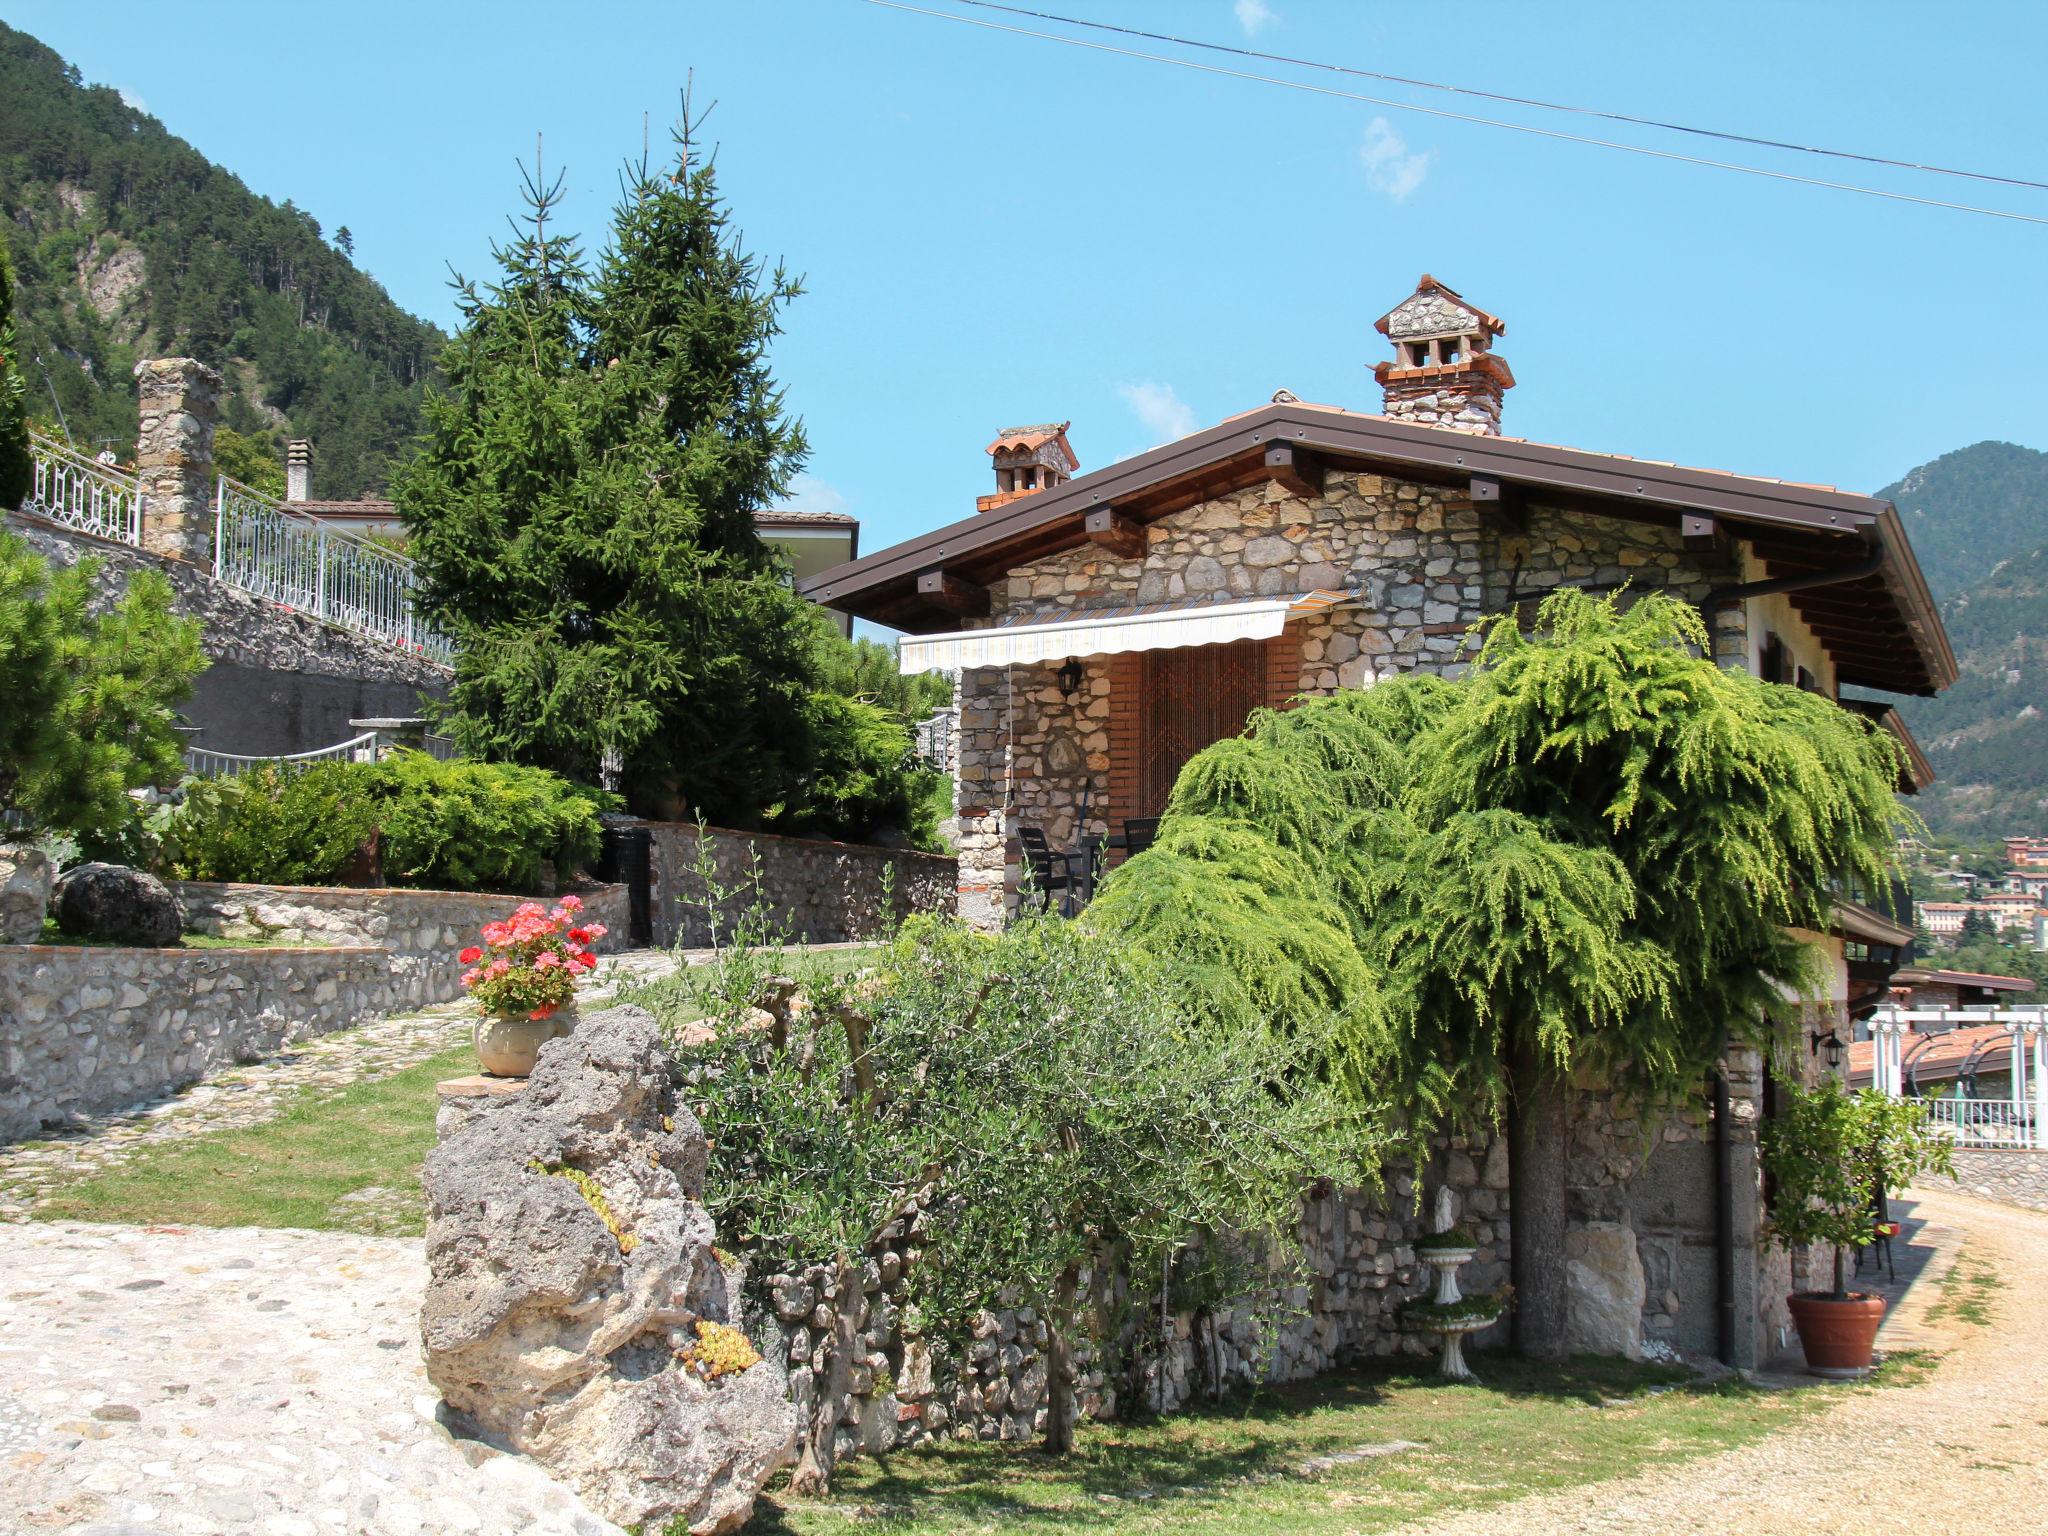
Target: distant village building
[(2027, 852), (2005, 911)]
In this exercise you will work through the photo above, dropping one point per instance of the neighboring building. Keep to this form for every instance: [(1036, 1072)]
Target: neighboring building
[(2005, 911), (811, 542), (2034, 882), (1108, 626), (1925, 987), (368, 516), (2027, 852)]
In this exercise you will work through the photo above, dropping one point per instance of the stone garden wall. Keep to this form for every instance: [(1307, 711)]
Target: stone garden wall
[(2009, 1175), (419, 931), (1641, 1267), (823, 892), (85, 1030)]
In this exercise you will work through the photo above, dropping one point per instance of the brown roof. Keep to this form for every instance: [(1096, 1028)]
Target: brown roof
[(1943, 1057), (343, 508), (1882, 628), (1915, 976)]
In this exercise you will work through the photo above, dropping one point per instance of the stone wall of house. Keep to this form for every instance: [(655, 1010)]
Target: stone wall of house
[(819, 892), (2009, 1175), (1641, 1261), (85, 1030), (1420, 560), (277, 681), (419, 931)]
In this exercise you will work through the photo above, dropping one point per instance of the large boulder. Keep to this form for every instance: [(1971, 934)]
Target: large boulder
[(112, 901), (574, 1309), (1605, 1291), (24, 893)]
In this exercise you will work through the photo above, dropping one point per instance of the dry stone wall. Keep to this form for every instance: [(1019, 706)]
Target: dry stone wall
[(93, 1029), (2009, 1175), (419, 931), (821, 892)]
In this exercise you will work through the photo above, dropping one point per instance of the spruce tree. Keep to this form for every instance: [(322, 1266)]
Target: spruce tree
[(17, 473), (582, 508)]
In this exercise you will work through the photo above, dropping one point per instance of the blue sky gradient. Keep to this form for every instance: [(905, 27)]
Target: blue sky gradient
[(996, 229)]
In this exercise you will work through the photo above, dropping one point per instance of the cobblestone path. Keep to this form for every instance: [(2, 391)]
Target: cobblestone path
[(170, 1381), (248, 1095)]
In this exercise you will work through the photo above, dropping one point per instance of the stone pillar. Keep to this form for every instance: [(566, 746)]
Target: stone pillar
[(179, 399)]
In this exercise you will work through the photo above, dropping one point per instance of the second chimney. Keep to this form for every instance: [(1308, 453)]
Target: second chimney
[(1029, 460), (298, 470)]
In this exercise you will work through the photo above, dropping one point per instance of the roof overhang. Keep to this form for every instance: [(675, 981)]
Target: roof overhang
[(1883, 629)]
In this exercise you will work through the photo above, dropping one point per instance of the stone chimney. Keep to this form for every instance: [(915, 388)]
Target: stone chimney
[(298, 470), (1443, 373), (179, 399), (1029, 460)]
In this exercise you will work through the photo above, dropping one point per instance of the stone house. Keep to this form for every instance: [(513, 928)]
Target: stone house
[(1106, 626)]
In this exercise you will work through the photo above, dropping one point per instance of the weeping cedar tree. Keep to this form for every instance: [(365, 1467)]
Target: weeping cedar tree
[(1588, 854), (582, 508), (17, 473)]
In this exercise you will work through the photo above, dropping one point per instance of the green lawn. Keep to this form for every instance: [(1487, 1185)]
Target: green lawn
[(347, 1159), (53, 934), (1315, 1458)]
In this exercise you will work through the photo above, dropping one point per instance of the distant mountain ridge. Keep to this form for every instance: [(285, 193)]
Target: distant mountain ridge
[(1978, 518), (127, 242)]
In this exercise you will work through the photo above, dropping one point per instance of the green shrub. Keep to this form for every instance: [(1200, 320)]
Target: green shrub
[(461, 826), (860, 774)]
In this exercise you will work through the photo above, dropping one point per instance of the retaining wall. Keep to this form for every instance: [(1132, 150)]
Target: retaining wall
[(824, 892), (84, 1030), (419, 931), (2009, 1175)]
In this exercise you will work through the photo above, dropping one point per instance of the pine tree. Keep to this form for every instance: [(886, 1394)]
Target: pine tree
[(582, 511), (17, 473)]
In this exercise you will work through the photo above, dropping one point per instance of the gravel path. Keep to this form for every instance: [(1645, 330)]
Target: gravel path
[(1961, 1454), (189, 1381), (249, 1095)]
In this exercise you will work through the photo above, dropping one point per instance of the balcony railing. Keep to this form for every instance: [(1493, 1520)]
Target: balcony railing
[(264, 547), (80, 493)]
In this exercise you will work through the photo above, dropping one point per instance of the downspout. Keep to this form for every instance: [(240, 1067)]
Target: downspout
[(1869, 565), (1724, 1220)]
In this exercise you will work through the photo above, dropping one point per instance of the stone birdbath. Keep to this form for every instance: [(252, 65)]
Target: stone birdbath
[(1449, 1313)]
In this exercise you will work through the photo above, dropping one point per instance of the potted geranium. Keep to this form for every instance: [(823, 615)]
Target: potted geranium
[(523, 977), (1829, 1153)]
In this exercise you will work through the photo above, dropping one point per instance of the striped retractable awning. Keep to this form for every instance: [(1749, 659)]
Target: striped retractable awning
[(1112, 631)]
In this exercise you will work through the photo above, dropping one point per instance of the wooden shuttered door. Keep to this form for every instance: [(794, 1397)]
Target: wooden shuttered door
[(1189, 699)]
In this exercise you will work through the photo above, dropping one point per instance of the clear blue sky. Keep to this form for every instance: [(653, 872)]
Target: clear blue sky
[(997, 229)]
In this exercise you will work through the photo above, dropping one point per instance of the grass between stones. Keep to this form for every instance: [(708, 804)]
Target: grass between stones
[(1364, 1451), (335, 1159), (1966, 1291)]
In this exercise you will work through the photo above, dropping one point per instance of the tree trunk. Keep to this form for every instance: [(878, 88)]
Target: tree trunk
[(813, 1473), (1539, 1205), (1059, 1363)]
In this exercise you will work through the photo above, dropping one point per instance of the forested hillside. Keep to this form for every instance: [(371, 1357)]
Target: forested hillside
[(1979, 523), (127, 242)]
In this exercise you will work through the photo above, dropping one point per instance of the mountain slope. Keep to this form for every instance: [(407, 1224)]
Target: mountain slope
[(1970, 509), (1979, 523), (128, 243)]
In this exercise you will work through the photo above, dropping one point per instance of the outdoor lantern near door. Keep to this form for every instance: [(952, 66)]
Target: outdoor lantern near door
[(1070, 678), (1829, 1045)]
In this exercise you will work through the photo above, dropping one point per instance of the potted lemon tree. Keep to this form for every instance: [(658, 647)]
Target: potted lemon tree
[(1828, 1154)]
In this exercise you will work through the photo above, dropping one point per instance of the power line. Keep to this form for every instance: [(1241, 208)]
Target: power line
[(1519, 101), (1461, 117)]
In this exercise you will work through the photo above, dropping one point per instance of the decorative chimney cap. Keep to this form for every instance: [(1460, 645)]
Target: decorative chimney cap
[(1025, 439), (1437, 309), (1029, 460)]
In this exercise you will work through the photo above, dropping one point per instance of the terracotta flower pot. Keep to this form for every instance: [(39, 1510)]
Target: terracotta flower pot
[(509, 1045), (1837, 1336)]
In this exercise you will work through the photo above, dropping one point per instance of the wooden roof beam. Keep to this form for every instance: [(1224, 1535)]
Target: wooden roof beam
[(942, 589), (1300, 471), (1499, 504), (1110, 530)]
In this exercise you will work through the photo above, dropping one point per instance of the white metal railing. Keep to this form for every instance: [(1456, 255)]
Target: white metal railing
[(938, 737), (81, 493), (204, 764), (1980, 1122), (264, 547)]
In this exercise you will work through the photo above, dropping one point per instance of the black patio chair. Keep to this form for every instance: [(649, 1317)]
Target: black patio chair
[(1050, 873), (1139, 834)]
